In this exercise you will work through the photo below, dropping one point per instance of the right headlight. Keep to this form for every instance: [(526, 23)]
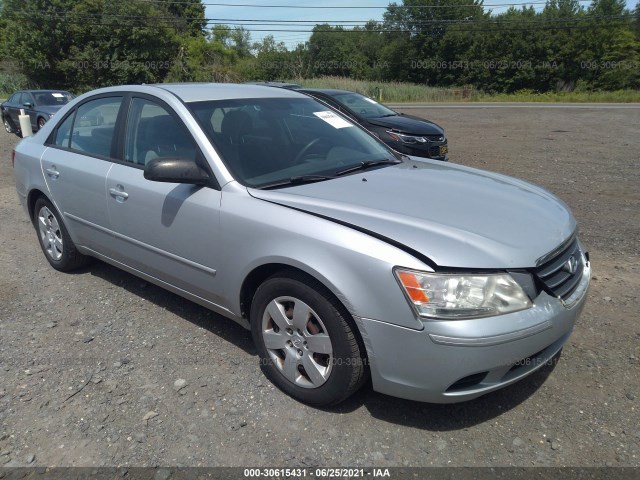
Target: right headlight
[(456, 296), (401, 137)]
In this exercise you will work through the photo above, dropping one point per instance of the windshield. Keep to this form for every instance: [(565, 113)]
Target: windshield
[(363, 106), (52, 98), (267, 140)]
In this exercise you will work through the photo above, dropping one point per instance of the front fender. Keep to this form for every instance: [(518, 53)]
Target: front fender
[(357, 268)]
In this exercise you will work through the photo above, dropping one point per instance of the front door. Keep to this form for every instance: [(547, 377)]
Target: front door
[(167, 230)]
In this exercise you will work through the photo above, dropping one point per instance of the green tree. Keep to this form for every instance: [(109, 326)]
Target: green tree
[(207, 58), (271, 60), (425, 26), (188, 16), (241, 42), (81, 44), (329, 51), (611, 49), (129, 42)]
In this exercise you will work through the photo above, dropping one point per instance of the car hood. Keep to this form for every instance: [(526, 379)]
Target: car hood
[(50, 109), (456, 216), (408, 124)]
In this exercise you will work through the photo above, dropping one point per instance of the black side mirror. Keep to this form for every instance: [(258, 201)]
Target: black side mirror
[(27, 104), (175, 170)]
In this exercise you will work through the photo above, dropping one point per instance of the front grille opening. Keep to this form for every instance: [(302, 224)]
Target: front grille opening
[(532, 360), (561, 274), (468, 382), (434, 138)]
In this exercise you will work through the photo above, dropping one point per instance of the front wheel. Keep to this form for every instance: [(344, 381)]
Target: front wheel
[(54, 238), (41, 122), (7, 125), (305, 339)]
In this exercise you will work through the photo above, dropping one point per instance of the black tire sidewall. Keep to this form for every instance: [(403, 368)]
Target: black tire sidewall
[(6, 122), (333, 390)]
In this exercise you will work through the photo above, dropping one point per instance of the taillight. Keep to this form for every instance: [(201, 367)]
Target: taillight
[(13, 157)]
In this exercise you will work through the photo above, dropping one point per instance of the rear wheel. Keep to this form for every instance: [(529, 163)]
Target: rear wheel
[(54, 238), (41, 122), (305, 339)]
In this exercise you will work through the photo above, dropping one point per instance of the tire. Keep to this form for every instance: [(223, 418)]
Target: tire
[(41, 122), (54, 239), (7, 125), (306, 340)]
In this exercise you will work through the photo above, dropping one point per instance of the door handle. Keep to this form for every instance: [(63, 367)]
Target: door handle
[(52, 172), (118, 192)]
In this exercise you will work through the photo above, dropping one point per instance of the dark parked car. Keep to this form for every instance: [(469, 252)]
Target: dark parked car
[(404, 133), (287, 85), (40, 105)]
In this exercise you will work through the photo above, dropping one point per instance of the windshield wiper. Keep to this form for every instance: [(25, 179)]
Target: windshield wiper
[(367, 164), (297, 180)]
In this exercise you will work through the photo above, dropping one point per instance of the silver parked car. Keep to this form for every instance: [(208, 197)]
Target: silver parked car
[(345, 259)]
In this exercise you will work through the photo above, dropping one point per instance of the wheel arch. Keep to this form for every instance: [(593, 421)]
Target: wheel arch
[(259, 274), (32, 198)]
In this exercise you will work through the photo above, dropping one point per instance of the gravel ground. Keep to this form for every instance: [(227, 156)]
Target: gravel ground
[(99, 368)]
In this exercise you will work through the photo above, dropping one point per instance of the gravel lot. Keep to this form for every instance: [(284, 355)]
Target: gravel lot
[(89, 361)]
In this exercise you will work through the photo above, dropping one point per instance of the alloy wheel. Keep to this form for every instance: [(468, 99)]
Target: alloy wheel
[(50, 234), (297, 342)]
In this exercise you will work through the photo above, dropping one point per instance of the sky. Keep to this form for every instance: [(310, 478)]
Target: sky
[(374, 11)]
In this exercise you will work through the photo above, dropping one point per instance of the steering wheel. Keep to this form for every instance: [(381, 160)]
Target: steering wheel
[(306, 149)]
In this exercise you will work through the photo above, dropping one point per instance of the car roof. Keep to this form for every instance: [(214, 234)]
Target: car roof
[(42, 91), (200, 92)]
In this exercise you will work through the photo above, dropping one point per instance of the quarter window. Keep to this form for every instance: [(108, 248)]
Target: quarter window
[(94, 126), (63, 133)]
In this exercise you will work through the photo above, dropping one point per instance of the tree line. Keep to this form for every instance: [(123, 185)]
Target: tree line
[(83, 44)]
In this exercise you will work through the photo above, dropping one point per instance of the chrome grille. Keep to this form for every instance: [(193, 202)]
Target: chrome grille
[(561, 273)]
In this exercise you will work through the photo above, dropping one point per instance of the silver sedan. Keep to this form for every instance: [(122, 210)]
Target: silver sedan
[(347, 260)]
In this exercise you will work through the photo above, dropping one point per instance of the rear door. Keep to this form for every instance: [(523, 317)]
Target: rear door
[(75, 168), (170, 231)]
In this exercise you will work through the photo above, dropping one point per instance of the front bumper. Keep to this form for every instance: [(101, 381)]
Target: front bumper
[(455, 361)]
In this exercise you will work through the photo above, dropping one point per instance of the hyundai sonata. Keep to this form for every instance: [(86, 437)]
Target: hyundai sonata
[(346, 260)]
